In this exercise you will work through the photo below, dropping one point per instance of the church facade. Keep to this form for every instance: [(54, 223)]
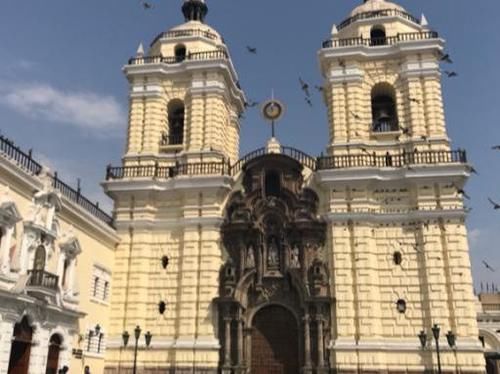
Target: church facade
[(279, 262)]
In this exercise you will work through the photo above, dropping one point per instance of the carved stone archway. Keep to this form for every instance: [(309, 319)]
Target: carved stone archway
[(275, 259)]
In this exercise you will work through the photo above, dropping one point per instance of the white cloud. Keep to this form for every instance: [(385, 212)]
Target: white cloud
[(98, 115), (474, 237)]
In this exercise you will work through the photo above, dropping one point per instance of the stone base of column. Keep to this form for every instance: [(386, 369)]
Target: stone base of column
[(226, 370), (323, 370), (240, 369), (306, 370)]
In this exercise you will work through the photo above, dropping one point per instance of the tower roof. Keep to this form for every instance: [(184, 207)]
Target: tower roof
[(376, 5), (194, 10)]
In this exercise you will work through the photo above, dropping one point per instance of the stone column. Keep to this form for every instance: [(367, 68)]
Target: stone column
[(248, 347), (5, 250), (321, 354), (70, 276), (227, 344), (6, 333), (60, 269), (241, 364), (307, 344)]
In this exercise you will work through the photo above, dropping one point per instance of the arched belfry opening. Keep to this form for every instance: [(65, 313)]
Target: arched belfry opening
[(180, 52), (378, 36), (274, 304), (384, 110), (176, 113)]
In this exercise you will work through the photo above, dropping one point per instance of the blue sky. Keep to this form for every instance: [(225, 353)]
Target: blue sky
[(63, 94)]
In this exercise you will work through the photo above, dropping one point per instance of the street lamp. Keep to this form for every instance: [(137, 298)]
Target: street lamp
[(137, 334), (450, 337), (435, 332)]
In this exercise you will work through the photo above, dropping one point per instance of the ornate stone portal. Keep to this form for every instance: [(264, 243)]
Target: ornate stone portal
[(275, 274)]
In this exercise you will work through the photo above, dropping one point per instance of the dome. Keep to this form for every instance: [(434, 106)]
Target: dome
[(196, 25), (376, 5)]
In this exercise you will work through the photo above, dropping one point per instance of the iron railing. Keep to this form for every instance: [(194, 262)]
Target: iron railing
[(168, 139), (392, 160), (188, 32), (374, 42), (385, 126), (22, 159), (43, 279), (378, 14), (218, 54), (76, 196), (26, 162), (321, 163)]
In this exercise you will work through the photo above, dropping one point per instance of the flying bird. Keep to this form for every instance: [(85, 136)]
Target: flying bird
[(308, 101), (496, 148), (319, 88), (488, 266), (473, 170), (405, 130), (451, 74), (305, 87), (146, 5), (355, 115), (415, 100), (446, 58), (496, 206), (461, 192), (251, 104), (252, 50)]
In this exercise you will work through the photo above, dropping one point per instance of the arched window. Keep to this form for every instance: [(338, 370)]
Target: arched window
[(53, 356), (21, 347), (272, 183), (384, 108), (175, 123), (180, 52), (377, 35), (39, 262)]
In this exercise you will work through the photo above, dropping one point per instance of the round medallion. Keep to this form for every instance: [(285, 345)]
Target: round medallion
[(272, 110)]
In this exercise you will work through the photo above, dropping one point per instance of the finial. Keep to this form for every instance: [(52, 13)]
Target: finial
[(335, 31), (140, 51), (194, 10), (423, 20)]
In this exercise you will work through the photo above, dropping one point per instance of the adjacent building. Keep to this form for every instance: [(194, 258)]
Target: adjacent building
[(489, 328), (56, 255)]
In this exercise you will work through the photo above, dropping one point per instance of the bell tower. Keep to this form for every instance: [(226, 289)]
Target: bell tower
[(392, 196), (185, 99), (382, 80)]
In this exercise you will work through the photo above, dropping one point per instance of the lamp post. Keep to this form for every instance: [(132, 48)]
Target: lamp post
[(450, 337), (137, 334), (435, 333)]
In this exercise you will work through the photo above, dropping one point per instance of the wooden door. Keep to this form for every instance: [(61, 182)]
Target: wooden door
[(21, 348), (275, 342)]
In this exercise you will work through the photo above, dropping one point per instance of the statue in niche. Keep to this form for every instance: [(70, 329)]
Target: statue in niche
[(250, 260), (294, 257), (273, 253)]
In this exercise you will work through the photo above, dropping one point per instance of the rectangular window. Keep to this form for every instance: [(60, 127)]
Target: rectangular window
[(101, 281)]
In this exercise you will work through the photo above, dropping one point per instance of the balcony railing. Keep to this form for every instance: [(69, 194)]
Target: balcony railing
[(378, 14), (374, 42), (392, 160), (22, 159), (43, 279), (167, 139), (321, 163), (25, 161), (166, 172), (385, 126), (182, 33), (219, 54)]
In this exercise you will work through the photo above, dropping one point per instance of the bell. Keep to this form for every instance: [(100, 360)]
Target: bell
[(383, 116)]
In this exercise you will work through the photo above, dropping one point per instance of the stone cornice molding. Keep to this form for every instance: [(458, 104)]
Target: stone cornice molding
[(403, 216), (162, 224), (416, 174)]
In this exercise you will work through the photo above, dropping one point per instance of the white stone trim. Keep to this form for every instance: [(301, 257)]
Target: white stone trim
[(408, 216), (161, 224)]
